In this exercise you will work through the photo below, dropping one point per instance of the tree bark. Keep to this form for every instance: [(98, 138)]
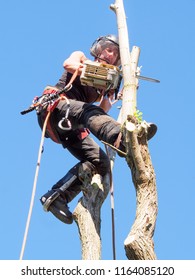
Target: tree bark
[(87, 214), (139, 243)]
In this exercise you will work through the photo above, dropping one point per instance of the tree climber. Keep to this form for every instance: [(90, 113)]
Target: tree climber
[(84, 117)]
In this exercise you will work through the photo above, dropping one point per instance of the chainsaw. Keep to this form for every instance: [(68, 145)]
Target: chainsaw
[(105, 76)]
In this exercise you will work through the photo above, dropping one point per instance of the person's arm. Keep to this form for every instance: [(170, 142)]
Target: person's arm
[(105, 104), (106, 101), (75, 61)]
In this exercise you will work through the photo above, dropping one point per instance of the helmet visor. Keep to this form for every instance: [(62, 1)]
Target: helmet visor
[(106, 50)]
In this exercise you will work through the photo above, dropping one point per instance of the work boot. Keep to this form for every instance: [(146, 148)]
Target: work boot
[(58, 207), (62, 193), (152, 129)]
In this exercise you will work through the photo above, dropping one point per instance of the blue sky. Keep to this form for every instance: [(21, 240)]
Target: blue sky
[(36, 37)]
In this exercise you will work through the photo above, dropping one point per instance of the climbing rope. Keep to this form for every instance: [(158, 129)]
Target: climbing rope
[(34, 185), (112, 207)]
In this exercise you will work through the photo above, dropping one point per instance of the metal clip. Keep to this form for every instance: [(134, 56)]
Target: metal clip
[(65, 124)]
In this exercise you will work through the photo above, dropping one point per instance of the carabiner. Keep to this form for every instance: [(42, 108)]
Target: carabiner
[(65, 124)]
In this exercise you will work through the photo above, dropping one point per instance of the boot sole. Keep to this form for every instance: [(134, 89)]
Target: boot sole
[(151, 131), (60, 215)]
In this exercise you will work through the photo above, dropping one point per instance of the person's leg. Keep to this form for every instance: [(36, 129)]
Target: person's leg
[(96, 120), (57, 198), (89, 116), (92, 159)]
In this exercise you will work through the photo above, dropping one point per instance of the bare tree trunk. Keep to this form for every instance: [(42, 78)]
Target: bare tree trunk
[(128, 69), (87, 214), (139, 244)]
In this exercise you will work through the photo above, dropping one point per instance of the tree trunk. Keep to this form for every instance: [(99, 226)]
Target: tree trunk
[(87, 214), (128, 68), (139, 244)]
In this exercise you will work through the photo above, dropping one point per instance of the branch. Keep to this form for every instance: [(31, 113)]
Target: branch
[(129, 66)]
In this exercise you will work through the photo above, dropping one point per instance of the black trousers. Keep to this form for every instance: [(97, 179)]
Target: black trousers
[(84, 115), (92, 157), (97, 121)]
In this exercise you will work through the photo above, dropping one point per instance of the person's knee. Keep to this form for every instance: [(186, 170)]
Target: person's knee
[(100, 165), (90, 112)]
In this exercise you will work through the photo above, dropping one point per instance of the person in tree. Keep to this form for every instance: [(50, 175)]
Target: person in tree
[(84, 117)]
